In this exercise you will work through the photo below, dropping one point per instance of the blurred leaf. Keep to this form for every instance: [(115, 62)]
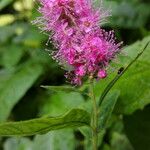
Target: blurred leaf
[(126, 14), (17, 144), (7, 32), (23, 5), (5, 74), (22, 33), (135, 48), (59, 103), (4, 3), (11, 55), (16, 86), (137, 128), (56, 140), (74, 118), (120, 142), (106, 109), (6, 19), (33, 38)]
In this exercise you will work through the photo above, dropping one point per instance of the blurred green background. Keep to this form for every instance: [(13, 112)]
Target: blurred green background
[(25, 65)]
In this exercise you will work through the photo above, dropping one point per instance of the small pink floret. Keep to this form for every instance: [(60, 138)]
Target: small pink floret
[(80, 71), (102, 74)]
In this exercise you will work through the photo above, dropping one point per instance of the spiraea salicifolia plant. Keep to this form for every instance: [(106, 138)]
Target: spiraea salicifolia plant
[(81, 44), (85, 50)]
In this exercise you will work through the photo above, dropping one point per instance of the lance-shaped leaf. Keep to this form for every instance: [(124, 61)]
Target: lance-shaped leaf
[(65, 88), (14, 88), (106, 109), (74, 118), (60, 88)]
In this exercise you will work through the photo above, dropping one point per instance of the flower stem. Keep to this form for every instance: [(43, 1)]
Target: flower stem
[(94, 118)]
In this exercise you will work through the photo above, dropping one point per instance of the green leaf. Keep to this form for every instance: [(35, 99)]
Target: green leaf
[(59, 103), (137, 128), (134, 85), (118, 76), (67, 89), (74, 118), (136, 78), (15, 87), (106, 109)]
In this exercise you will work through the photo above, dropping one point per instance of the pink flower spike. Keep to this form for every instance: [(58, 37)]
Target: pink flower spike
[(74, 28)]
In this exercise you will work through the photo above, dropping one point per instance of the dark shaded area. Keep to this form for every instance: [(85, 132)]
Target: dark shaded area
[(137, 128)]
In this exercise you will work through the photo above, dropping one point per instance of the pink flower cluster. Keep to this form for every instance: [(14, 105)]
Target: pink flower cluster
[(74, 27)]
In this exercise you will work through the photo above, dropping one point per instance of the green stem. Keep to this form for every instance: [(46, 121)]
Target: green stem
[(94, 118)]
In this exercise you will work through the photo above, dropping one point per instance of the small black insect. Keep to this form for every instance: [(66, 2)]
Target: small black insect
[(120, 70)]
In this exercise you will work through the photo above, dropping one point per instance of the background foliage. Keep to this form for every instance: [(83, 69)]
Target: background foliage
[(25, 66)]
